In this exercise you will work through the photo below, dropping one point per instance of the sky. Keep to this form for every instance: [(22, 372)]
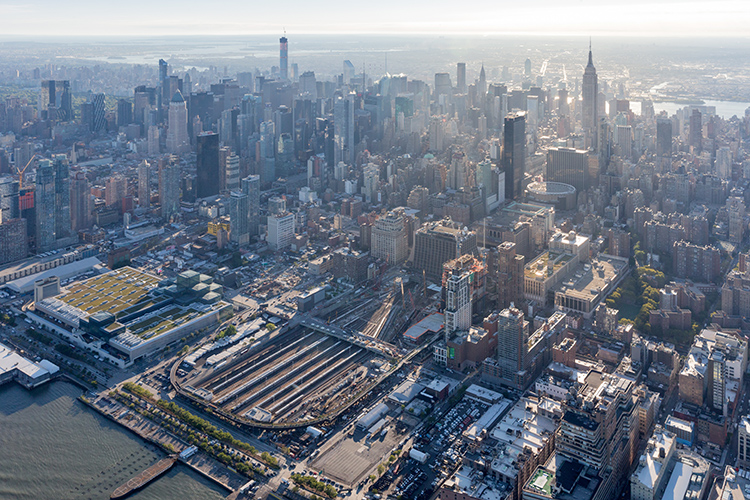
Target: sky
[(725, 18)]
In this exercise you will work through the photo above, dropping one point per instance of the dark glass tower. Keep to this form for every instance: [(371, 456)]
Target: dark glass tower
[(514, 154), (207, 165), (664, 137)]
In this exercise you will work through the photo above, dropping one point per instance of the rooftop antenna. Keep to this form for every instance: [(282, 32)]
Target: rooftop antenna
[(386, 63)]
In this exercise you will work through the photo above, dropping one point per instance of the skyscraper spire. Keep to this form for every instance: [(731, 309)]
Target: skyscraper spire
[(589, 111)]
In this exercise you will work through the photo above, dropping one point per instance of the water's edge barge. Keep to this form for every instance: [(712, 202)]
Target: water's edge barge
[(144, 478)]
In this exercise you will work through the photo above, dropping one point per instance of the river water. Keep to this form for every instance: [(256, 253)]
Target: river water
[(724, 109), (53, 447)]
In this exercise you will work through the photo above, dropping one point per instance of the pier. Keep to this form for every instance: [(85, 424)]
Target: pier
[(199, 461), (144, 478)]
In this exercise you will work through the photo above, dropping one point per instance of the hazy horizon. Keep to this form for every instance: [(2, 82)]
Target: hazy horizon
[(546, 17)]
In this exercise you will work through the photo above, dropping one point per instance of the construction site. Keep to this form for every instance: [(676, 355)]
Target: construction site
[(298, 376)]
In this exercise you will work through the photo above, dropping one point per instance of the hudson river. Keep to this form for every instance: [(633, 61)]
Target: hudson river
[(52, 447)]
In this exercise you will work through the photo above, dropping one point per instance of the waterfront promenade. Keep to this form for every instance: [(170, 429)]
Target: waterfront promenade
[(200, 462)]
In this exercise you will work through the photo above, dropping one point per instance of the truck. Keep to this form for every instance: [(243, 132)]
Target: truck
[(419, 456)]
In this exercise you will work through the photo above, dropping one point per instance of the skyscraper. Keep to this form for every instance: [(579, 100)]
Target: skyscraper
[(80, 202), (514, 153), (177, 133), (62, 196), (56, 97), (461, 78), (457, 302), (13, 240), (482, 88), (512, 347), (232, 173), (124, 112), (343, 124), (251, 187), (116, 190), (44, 198), (98, 120), (280, 230), (664, 138), (507, 271), (436, 243), (267, 153), (570, 166), (207, 165), (163, 86), (389, 238), (239, 231), (9, 208), (348, 71), (144, 184), (589, 112), (283, 58), (695, 130), (169, 188)]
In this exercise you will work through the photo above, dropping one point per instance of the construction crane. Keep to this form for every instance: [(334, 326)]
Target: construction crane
[(22, 171)]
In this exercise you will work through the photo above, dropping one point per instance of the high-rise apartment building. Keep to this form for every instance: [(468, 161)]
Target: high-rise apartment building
[(13, 240), (458, 305), (736, 212), (743, 442), (251, 187), (343, 126), (232, 173), (169, 188), (44, 200), (116, 190), (80, 203), (695, 130), (506, 274), (239, 231), (55, 101), (62, 196), (280, 230), (207, 165), (144, 184), (124, 112), (9, 192), (284, 58), (512, 345)]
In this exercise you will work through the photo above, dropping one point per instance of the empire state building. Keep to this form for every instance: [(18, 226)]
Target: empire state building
[(589, 118)]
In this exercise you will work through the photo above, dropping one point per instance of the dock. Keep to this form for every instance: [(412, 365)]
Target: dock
[(199, 461), (144, 478)]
